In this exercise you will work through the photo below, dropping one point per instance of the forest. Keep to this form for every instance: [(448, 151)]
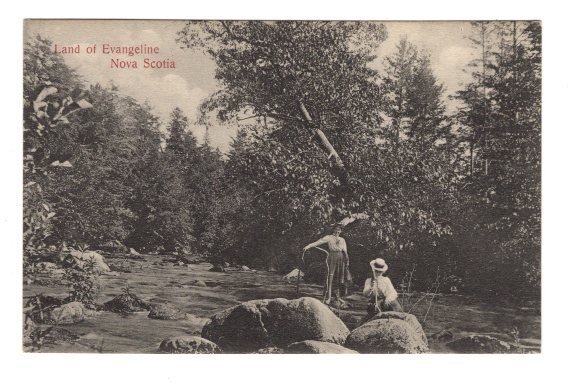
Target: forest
[(449, 198)]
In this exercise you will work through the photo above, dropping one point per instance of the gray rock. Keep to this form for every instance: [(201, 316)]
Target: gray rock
[(411, 319), (82, 258), (390, 332), (113, 246), (443, 335), (69, 313), (198, 283), (217, 268), (188, 344), (318, 347), (119, 268), (274, 322), (126, 303), (166, 312), (480, 344), (245, 268)]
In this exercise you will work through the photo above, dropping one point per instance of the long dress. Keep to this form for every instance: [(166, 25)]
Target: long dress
[(336, 260), (337, 266)]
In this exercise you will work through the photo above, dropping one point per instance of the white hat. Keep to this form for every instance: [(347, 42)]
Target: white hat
[(379, 265)]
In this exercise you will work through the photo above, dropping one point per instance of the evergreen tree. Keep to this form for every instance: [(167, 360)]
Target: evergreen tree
[(414, 97), (501, 118), (177, 132)]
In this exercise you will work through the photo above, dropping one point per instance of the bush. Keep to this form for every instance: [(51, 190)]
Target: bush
[(82, 281)]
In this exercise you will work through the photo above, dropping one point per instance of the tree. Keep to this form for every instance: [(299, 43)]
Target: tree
[(113, 139), (277, 72), (414, 97), (52, 93), (280, 70), (177, 128), (501, 119), (291, 78)]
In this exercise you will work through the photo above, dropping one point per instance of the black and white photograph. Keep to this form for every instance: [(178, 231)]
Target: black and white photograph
[(282, 186)]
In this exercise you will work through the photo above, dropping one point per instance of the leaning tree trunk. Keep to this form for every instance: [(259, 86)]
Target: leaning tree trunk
[(340, 170)]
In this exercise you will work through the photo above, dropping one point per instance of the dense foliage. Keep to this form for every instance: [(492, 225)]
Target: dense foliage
[(454, 199), (104, 174)]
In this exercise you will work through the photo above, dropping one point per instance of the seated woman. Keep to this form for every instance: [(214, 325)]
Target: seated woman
[(379, 288)]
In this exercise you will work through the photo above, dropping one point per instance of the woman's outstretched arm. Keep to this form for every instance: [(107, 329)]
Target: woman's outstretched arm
[(323, 240)]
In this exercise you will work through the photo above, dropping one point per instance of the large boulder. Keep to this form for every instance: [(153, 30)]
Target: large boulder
[(409, 318), (69, 313), (188, 344), (317, 347), (83, 258), (389, 332), (126, 303), (166, 312), (480, 344), (258, 324)]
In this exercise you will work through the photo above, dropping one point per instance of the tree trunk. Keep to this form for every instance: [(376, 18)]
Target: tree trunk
[(341, 171)]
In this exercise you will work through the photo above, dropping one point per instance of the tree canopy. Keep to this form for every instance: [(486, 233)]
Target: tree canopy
[(326, 130)]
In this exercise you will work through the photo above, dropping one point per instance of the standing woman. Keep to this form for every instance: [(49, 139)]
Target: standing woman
[(337, 261)]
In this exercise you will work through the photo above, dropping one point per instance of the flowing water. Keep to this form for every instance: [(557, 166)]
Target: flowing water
[(155, 280)]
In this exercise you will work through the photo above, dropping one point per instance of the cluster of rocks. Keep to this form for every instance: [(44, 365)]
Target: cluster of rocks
[(303, 325), (307, 326), (53, 311), (268, 326), (272, 326)]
